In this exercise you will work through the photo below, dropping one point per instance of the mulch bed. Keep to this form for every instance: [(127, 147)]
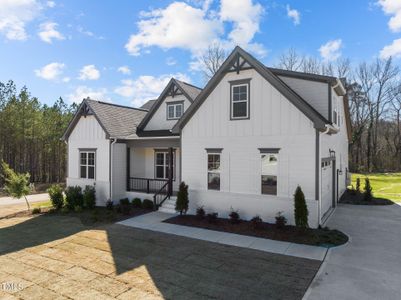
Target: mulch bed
[(90, 217), (317, 237), (355, 198)]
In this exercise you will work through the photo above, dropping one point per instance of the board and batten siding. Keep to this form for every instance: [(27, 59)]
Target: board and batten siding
[(159, 119), (119, 165), (88, 134), (274, 123), (314, 92), (339, 143)]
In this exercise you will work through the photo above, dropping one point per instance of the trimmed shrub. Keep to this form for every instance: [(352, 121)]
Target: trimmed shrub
[(200, 213), (234, 216), (367, 195), (147, 204), (181, 205), (89, 197), (109, 204), (36, 211), (358, 185), (137, 203), (300, 209), (281, 221), (73, 197), (212, 217), (56, 196), (65, 210), (78, 208), (125, 206), (256, 222)]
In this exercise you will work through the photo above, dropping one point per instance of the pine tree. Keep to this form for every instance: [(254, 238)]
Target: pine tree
[(300, 209), (181, 204)]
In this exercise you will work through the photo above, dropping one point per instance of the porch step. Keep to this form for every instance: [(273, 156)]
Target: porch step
[(168, 206)]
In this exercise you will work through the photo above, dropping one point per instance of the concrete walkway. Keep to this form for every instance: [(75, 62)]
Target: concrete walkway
[(154, 221), (369, 266), (31, 198)]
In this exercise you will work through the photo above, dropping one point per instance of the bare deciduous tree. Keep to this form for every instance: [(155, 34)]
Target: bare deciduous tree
[(212, 59)]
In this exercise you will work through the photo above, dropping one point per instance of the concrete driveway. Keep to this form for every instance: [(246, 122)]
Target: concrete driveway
[(369, 266)]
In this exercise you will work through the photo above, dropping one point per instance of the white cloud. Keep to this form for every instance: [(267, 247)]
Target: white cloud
[(14, 15), (170, 61), (178, 25), (146, 87), (89, 72), (83, 31), (244, 16), (66, 79), (82, 92), (124, 70), (393, 50), (331, 50), (194, 28), (48, 32), (51, 71), (294, 15), (51, 4), (392, 7)]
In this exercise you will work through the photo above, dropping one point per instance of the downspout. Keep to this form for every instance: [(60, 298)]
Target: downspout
[(111, 166)]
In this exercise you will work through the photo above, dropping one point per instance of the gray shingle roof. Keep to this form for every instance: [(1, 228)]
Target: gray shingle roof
[(118, 121), (148, 105), (190, 89)]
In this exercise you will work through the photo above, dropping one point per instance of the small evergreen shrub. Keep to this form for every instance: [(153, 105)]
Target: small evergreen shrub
[(256, 222), (73, 197), (181, 204), (358, 186), (56, 196), (147, 204), (212, 217), (89, 197), (200, 213), (65, 210), (352, 190), (36, 211), (137, 203), (95, 216), (78, 208), (109, 204), (234, 216), (125, 206), (367, 195), (281, 220), (300, 209)]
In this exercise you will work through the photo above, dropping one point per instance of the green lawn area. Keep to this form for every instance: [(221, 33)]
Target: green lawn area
[(41, 204), (385, 185)]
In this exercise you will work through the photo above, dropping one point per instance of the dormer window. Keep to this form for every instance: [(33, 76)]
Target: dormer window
[(175, 110), (240, 99)]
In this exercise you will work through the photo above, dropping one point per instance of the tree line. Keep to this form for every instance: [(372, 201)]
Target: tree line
[(30, 134)]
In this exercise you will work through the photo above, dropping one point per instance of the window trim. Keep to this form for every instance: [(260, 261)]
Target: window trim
[(87, 151), (208, 172), (265, 151), (174, 104), (241, 82), (165, 151)]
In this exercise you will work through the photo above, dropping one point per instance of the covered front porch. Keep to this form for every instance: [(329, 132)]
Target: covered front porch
[(152, 168)]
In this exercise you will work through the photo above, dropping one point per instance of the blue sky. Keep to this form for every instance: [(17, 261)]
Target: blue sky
[(126, 51)]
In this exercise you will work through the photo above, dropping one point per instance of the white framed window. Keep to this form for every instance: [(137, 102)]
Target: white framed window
[(269, 171), (213, 171), (240, 101), (335, 109), (87, 164), (162, 164), (175, 110)]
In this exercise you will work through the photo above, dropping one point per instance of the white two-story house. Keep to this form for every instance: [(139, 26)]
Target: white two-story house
[(243, 142)]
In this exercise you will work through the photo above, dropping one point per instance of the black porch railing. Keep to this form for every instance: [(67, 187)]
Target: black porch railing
[(146, 185)]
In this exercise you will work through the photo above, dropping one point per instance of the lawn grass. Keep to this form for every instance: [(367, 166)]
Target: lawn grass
[(41, 204), (385, 185)]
